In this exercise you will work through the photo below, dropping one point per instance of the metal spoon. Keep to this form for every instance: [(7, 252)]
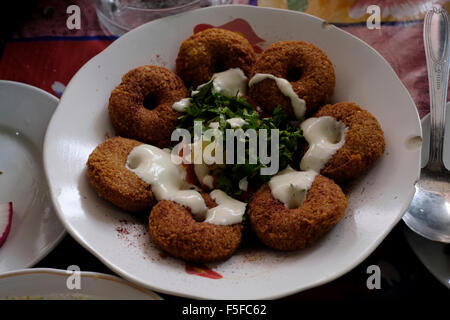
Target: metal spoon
[(429, 211)]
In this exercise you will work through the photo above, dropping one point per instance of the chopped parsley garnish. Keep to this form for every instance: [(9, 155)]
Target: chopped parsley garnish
[(208, 106)]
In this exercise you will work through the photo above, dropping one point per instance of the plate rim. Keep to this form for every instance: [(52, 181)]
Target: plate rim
[(280, 293), (85, 274), (49, 248)]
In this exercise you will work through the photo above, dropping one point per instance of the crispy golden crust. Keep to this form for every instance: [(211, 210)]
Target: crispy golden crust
[(175, 231), (364, 142), (305, 66), (126, 105), (210, 51), (112, 181), (290, 229)]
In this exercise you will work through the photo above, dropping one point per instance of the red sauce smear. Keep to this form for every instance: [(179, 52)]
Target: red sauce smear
[(202, 271)]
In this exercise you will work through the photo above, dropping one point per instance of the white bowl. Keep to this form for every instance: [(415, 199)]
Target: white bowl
[(377, 200), (24, 114), (54, 284)]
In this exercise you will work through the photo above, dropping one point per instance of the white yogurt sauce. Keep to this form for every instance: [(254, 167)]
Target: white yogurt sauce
[(236, 122), (228, 211), (325, 136), (298, 104), (290, 186), (230, 83), (202, 173), (208, 181), (154, 166), (181, 105), (214, 125), (243, 184)]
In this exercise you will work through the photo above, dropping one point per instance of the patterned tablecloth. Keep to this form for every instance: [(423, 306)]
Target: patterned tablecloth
[(44, 53)]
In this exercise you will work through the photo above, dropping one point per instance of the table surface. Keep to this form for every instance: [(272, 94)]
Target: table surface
[(38, 50)]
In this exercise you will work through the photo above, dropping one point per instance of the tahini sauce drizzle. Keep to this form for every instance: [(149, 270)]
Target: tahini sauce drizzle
[(325, 136), (298, 104), (167, 179)]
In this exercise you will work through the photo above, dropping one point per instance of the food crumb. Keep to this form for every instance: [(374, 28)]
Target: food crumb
[(122, 230)]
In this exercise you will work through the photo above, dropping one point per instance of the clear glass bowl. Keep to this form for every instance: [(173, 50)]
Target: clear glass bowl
[(120, 16)]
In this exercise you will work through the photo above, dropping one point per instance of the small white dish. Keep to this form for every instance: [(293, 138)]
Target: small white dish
[(377, 200), (431, 253), (54, 284), (24, 114)]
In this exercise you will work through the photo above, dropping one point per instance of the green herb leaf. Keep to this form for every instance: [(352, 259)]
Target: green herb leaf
[(208, 106)]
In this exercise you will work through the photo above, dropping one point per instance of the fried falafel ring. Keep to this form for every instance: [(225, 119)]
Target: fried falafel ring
[(286, 223), (360, 140), (141, 106), (107, 173), (212, 51), (295, 75), (174, 229)]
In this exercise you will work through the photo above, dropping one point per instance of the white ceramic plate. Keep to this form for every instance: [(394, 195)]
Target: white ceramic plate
[(432, 253), (24, 114), (377, 201), (54, 284)]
